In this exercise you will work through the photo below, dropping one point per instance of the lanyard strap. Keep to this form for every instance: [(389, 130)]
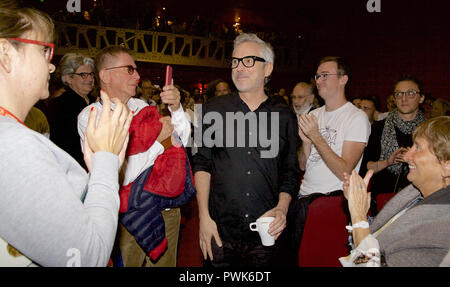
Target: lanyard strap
[(4, 112)]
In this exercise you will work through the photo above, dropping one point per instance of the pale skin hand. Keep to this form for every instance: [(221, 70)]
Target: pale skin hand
[(111, 133), (207, 226), (394, 158), (351, 151), (355, 191), (277, 226), (167, 129), (171, 97)]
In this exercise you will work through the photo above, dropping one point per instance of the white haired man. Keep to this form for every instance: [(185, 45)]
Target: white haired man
[(238, 185)]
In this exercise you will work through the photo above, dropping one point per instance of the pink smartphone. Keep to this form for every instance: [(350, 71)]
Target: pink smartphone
[(168, 75)]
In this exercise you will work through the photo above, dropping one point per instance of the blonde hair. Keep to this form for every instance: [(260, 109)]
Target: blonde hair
[(437, 132)]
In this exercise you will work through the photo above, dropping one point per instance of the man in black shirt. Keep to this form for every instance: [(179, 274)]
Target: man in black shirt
[(246, 166)]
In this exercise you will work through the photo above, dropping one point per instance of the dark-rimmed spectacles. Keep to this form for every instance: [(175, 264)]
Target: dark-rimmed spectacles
[(130, 69), (84, 75), (248, 61), (48, 47)]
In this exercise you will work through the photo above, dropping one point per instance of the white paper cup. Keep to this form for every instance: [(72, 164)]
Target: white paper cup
[(262, 226)]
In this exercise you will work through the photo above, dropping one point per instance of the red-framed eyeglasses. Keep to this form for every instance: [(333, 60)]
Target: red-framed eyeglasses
[(48, 52)]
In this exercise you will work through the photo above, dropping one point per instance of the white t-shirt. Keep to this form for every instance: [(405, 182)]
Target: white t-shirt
[(347, 123)]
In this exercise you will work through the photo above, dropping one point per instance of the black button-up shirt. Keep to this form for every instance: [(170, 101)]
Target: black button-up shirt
[(245, 184)]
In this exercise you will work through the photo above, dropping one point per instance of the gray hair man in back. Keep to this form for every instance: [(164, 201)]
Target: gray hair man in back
[(237, 184)]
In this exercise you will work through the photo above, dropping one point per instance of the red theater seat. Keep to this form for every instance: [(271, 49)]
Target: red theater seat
[(383, 198), (325, 238)]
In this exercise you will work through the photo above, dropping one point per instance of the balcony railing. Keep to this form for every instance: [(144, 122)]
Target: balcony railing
[(156, 47)]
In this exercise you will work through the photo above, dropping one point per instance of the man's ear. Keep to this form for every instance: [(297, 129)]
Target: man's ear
[(268, 68), (5, 55), (422, 98), (104, 76), (344, 79)]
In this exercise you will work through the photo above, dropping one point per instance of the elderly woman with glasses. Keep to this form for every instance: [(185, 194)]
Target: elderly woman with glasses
[(77, 74), (413, 228), (52, 212)]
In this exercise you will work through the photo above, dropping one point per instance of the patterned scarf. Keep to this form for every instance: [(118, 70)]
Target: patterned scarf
[(389, 140)]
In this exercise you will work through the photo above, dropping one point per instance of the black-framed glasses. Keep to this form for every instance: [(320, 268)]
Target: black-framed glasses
[(409, 94), (324, 76), (130, 69), (84, 75), (248, 61), (48, 47)]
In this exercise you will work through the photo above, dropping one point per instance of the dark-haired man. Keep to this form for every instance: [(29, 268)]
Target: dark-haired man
[(392, 136)]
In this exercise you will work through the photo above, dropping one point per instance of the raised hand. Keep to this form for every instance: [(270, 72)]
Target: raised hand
[(111, 131), (171, 97)]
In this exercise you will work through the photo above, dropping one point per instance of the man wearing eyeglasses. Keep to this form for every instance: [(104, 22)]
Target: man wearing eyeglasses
[(118, 76), (334, 135), (236, 184), (392, 136)]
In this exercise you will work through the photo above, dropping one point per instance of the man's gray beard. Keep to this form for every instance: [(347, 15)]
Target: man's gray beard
[(303, 109)]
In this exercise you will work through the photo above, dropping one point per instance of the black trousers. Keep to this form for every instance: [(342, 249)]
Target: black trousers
[(241, 253)]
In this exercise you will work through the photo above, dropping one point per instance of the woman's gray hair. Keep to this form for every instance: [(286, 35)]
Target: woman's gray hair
[(70, 62), (266, 49)]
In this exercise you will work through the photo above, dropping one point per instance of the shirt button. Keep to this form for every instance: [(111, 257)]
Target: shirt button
[(248, 172), (248, 194), (249, 152), (246, 216)]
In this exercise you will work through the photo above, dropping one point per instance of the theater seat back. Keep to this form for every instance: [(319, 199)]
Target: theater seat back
[(383, 198), (325, 238)]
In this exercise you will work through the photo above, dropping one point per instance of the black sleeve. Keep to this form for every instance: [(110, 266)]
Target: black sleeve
[(203, 158), (289, 168)]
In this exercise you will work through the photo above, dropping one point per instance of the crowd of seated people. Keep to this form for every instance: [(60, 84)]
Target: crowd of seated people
[(404, 151)]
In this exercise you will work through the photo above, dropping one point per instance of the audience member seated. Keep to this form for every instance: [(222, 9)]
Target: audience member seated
[(77, 74), (369, 105), (390, 106), (145, 92), (357, 102), (427, 105), (53, 212), (440, 108), (37, 121), (390, 138), (302, 98), (413, 229)]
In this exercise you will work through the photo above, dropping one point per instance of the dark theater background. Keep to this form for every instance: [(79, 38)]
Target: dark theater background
[(405, 37)]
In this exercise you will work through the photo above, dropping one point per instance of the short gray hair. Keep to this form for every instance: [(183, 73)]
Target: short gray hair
[(70, 62), (265, 47)]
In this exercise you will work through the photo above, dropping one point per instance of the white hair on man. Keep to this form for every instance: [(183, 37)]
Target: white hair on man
[(266, 49)]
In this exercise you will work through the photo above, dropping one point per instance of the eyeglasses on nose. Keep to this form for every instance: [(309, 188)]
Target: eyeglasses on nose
[(248, 61), (84, 75), (409, 94), (130, 69), (324, 76), (48, 47)]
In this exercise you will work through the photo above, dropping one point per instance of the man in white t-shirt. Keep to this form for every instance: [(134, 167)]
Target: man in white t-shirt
[(334, 136)]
